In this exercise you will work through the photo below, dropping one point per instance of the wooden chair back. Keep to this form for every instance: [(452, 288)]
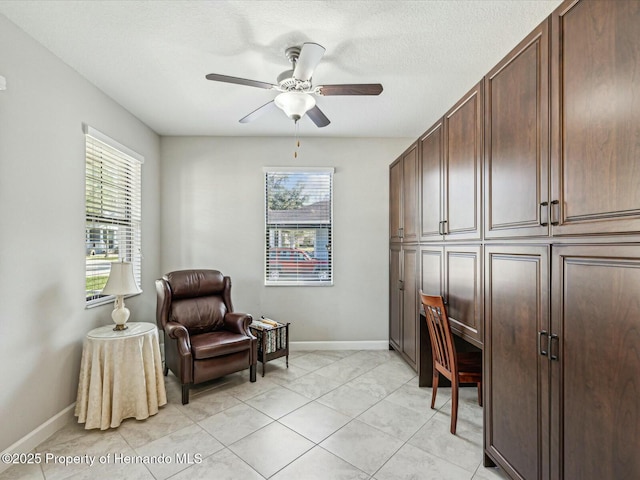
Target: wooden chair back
[(443, 348)]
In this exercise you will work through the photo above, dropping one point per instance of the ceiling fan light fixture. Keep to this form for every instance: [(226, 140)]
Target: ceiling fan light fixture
[(295, 104)]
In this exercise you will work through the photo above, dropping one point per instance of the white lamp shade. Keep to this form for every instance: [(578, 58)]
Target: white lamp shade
[(121, 280), (295, 104)]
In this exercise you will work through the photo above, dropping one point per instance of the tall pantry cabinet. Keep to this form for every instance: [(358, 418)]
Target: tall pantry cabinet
[(450, 181), (403, 255), (559, 249), (517, 260)]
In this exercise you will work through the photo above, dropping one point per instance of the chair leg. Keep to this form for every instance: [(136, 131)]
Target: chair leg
[(185, 394), (434, 386), (480, 393), (454, 406), (165, 370), (252, 373)]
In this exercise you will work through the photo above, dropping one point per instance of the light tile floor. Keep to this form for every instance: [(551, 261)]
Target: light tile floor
[(332, 415)]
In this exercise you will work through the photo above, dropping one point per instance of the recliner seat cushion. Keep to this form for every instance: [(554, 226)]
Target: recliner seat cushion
[(216, 344)]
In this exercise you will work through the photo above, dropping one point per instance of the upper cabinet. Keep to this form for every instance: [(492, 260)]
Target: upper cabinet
[(431, 148), (516, 141), (463, 167), (595, 117), (403, 197), (395, 200), (450, 173)]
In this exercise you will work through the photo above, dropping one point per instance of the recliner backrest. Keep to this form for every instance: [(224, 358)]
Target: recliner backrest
[(198, 299)]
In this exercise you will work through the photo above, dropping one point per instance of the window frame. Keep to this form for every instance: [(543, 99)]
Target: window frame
[(126, 217), (299, 278)]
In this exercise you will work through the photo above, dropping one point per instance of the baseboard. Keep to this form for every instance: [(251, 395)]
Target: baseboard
[(355, 345), (34, 438)]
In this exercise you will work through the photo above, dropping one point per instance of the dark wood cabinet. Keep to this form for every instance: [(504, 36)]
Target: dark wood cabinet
[(403, 198), (595, 362), (463, 291), (395, 200), (544, 273), (455, 273), (562, 363), (431, 154), (462, 170), (410, 169), (395, 296), (451, 173), (410, 314), (516, 173), (403, 301), (595, 147), (515, 374), (432, 269)]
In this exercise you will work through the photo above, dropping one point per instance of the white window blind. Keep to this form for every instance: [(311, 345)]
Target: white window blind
[(112, 210), (298, 226)]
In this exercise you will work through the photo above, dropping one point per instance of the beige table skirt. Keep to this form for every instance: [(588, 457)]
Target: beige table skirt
[(120, 376)]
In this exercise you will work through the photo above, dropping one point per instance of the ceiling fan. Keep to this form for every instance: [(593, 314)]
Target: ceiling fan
[(296, 96)]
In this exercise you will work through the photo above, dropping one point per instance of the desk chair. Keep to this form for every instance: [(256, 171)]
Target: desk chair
[(463, 367)]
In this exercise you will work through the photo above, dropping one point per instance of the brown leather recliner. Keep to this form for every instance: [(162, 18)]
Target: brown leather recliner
[(203, 337)]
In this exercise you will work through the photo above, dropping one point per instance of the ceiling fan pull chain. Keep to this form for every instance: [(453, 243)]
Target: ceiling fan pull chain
[(297, 140)]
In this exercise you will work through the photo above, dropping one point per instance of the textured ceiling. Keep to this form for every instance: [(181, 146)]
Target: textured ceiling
[(152, 56)]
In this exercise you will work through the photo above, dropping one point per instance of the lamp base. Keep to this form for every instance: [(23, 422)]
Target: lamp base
[(120, 314)]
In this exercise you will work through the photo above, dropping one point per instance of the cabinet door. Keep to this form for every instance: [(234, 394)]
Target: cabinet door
[(595, 385), (516, 395), (595, 117), (410, 313), (432, 270), (395, 200), (409, 225), (431, 282), (431, 157), (516, 141), (463, 286), (395, 296), (463, 167)]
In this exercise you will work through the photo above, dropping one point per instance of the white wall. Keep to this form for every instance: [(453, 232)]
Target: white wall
[(212, 216), (43, 319)]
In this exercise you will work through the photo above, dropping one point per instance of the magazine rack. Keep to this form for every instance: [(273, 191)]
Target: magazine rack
[(273, 341)]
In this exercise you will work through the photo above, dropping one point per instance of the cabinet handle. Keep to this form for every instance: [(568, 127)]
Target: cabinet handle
[(557, 221), (544, 204), (440, 228), (552, 337), (400, 284), (444, 228), (401, 232), (541, 334)]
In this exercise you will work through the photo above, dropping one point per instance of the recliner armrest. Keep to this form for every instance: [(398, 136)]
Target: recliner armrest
[(238, 323), (180, 333)]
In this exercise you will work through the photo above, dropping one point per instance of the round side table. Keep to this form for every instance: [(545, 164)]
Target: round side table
[(120, 376)]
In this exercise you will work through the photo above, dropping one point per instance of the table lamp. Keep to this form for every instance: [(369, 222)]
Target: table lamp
[(120, 283)]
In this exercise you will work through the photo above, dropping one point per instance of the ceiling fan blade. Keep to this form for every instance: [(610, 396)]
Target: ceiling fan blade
[(310, 56), (258, 112), (239, 81), (317, 117), (351, 89)]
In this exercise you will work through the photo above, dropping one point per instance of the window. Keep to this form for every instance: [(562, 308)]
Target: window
[(112, 211), (298, 226)]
